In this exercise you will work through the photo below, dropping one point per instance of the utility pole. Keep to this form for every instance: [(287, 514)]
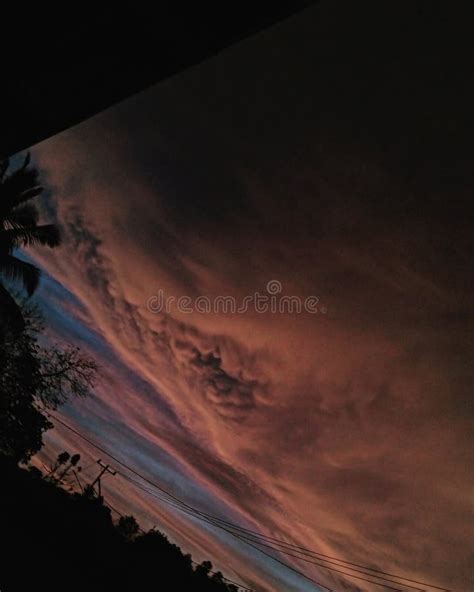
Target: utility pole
[(78, 481), (104, 470)]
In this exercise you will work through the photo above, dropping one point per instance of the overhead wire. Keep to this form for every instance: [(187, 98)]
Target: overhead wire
[(253, 538)]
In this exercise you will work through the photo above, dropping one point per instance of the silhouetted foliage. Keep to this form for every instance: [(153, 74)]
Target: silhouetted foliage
[(35, 375), (217, 577), (46, 529), (62, 459), (204, 568), (127, 527), (68, 463), (73, 536), (19, 228)]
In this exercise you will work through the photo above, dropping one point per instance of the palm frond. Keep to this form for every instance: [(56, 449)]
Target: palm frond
[(23, 215), (27, 161), (21, 180), (18, 225), (10, 311), (4, 164), (10, 199), (15, 269), (30, 194), (18, 187), (46, 235)]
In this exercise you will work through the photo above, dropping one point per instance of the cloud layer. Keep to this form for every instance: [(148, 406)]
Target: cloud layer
[(346, 432)]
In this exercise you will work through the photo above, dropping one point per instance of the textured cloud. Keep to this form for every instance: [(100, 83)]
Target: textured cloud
[(346, 432)]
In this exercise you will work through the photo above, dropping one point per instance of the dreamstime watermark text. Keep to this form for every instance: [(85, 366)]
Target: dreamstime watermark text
[(271, 301)]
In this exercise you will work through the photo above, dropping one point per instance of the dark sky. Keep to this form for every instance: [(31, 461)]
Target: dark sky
[(332, 154)]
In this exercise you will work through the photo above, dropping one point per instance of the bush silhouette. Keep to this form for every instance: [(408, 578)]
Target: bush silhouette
[(72, 539)]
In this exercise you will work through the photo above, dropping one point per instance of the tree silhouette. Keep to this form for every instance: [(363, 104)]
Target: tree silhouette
[(42, 523), (218, 577), (204, 568), (37, 516), (19, 228), (73, 460), (61, 460), (32, 377), (127, 527)]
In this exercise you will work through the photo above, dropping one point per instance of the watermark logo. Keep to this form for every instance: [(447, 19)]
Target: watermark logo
[(271, 301)]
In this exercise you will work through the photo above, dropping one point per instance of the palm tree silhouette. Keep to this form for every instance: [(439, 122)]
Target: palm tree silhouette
[(19, 228)]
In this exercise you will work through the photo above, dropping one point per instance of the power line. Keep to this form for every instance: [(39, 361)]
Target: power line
[(247, 539), (253, 536), (121, 514), (321, 556), (121, 463), (89, 466), (318, 555), (104, 470), (249, 536), (212, 520), (196, 514)]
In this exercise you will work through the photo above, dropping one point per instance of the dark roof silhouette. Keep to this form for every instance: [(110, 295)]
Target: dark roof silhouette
[(58, 72)]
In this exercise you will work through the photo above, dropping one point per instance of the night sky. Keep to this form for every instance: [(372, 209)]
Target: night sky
[(332, 156)]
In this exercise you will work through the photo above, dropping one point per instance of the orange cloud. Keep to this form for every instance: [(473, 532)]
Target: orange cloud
[(345, 432)]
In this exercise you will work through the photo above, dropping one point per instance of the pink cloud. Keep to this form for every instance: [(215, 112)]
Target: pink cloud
[(345, 432)]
